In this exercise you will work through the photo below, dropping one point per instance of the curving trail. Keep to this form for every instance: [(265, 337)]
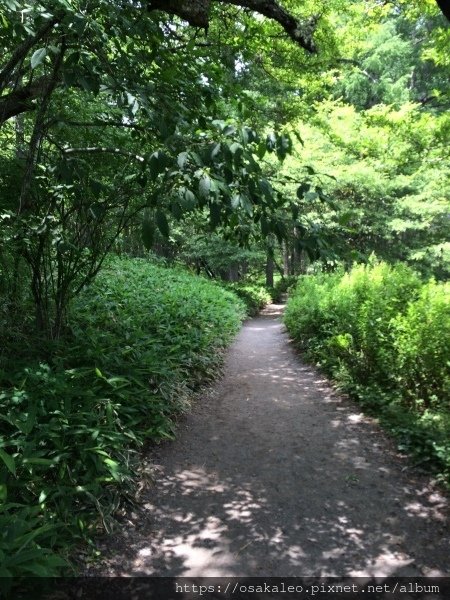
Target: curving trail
[(275, 474)]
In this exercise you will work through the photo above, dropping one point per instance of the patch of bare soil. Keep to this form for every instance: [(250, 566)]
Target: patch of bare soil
[(275, 474)]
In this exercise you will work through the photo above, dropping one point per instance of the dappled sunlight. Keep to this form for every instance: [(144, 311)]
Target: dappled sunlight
[(386, 564), (283, 477)]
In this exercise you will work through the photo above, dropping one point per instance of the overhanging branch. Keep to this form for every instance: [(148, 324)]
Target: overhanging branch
[(101, 150), (196, 12), (300, 32), (20, 53), (19, 101)]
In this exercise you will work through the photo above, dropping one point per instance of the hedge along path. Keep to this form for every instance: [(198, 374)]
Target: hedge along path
[(275, 474)]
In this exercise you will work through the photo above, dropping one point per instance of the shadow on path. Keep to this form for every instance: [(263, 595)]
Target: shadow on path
[(275, 474)]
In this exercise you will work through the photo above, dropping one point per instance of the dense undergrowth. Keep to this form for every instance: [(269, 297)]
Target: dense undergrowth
[(142, 339), (383, 335), (254, 296)]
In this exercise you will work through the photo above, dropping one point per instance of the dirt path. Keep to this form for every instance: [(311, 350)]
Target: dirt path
[(276, 475)]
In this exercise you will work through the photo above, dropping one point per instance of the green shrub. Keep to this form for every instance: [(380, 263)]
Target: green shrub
[(143, 338), (384, 336), (255, 297), (282, 286), (422, 347), (308, 316)]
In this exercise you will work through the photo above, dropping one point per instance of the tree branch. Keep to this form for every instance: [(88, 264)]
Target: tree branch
[(196, 12), (300, 32), (102, 149), (19, 101), (21, 52)]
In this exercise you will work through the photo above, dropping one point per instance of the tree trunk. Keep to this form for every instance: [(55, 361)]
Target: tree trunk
[(286, 259), (269, 269)]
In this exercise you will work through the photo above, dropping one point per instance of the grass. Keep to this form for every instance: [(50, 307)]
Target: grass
[(383, 335), (141, 341)]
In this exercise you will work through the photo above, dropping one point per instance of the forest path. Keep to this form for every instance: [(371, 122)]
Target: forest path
[(275, 474)]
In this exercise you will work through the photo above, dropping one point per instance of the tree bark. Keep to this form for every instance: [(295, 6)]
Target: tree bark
[(269, 269), (20, 100), (196, 12), (301, 32)]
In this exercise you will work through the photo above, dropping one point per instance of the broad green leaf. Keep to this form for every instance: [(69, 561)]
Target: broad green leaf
[(190, 199), (162, 223), (302, 189), (214, 214), (311, 196), (204, 186), (157, 164), (3, 492), (182, 159), (8, 460), (216, 150), (247, 205), (229, 130), (236, 201), (37, 57), (266, 188), (265, 228), (176, 210)]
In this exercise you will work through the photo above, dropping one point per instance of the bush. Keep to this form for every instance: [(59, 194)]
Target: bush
[(384, 336), (255, 297), (282, 286), (143, 338), (421, 342)]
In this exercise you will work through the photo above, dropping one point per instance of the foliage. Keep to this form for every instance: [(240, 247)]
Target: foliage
[(255, 297), (220, 258), (282, 286), (144, 338), (231, 149), (384, 336)]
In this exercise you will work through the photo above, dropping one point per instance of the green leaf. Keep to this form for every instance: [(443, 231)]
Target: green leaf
[(204, 186), (229, 130), (3, 492), (216, 150), (190, 201), (236, 201), (148, 233), (265, 228), (214, 214), (163, 225), (38, 57), (302, 189), (311, 196), (271, 142), (8, 460), (266, 188), (157, 164), (236, 148), (261, 150), (247, 205), (176, 210), (182, 159)]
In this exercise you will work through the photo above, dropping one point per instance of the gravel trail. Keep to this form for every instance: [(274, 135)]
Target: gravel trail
[(275, 474)]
